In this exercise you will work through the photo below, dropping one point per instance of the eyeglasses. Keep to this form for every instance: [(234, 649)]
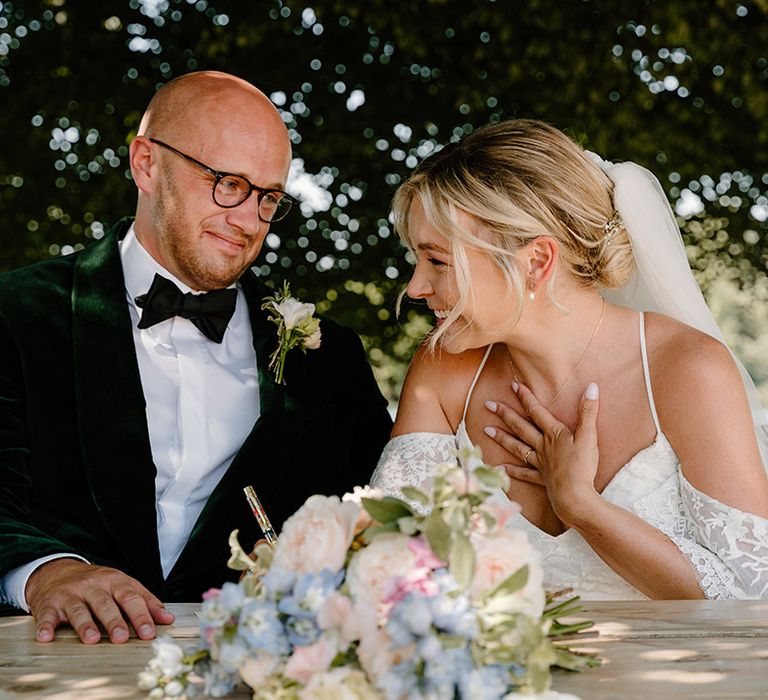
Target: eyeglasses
[(230, 190)]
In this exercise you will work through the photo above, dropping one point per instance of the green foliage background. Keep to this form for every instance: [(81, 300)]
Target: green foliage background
[(679, 87)]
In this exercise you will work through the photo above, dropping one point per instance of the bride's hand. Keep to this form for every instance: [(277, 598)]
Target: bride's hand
[(564, 462)]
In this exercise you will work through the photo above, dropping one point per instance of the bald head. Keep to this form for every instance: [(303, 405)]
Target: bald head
[(192, 105)]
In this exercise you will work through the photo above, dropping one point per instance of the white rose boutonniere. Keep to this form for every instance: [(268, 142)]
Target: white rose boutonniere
[(296, 327)]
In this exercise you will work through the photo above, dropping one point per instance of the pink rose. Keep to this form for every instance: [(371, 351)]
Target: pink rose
[(336, 613), (256, 669), (317, 536), (372, 568), (313, 658)]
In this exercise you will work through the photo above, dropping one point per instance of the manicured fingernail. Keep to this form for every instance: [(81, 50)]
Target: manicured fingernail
[(591, 393), (491, 406), (145, 631), (489, 431), (91, 634), (44, 635), (120, 633), (515, 386)]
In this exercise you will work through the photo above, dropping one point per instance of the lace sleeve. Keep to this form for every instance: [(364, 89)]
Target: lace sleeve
[(409, 460), (738, 540)]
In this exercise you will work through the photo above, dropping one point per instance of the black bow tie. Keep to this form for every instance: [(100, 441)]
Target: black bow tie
[(210, 311)]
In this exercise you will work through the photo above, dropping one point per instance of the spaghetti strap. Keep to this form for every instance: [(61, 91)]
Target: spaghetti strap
[(647, 373), (474, 381)]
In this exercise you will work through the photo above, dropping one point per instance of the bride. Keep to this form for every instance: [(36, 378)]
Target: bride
[(628, 436)]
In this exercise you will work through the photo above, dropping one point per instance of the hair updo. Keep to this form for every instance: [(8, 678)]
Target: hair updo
[(520, 179)]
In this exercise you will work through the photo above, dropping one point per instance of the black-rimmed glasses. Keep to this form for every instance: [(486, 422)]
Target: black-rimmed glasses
[(230, 190)]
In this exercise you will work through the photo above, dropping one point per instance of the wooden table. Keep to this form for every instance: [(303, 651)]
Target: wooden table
[(651, 650)]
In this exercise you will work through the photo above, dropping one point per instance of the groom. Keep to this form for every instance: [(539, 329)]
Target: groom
[(127, 433)]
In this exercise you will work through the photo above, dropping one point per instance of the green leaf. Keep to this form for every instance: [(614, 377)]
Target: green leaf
[(491, 478), (387, 510), (374, 531), (415, 494), (438, 535), (511, 584), (462, 560)]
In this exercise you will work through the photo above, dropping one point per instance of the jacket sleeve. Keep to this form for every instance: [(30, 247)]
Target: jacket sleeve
[(20, 541)]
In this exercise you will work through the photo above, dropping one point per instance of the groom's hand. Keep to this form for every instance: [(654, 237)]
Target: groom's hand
[(68, 590)]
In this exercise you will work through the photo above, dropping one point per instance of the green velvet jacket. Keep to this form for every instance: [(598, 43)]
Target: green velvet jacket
[(76, 470)]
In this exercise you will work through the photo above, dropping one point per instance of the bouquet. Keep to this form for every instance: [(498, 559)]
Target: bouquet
[(372, 597)]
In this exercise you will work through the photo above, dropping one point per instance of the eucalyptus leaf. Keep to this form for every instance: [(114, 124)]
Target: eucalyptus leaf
[(492, 478), (511, 584), (415, 494), (438, 535), (374, 531), (386, 510), (462, 560)]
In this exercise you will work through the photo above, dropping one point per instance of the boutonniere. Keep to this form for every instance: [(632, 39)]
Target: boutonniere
[(296, 326)]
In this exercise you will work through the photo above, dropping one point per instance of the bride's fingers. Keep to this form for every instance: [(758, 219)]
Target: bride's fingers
[(538, 413), (517, 424), (522, 450), (527, 474)]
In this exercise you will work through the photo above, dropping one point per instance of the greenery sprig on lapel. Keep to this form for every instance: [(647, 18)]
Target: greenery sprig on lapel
[(296, 326)]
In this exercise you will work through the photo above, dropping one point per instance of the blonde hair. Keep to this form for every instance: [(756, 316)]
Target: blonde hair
[(519, 179)]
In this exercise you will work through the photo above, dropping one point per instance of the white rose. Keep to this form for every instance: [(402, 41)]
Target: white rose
[(313, 342), (168, 660), (294, 312), (339, 684), (499, 556), (372, 567), (317, 536), (174, 689)]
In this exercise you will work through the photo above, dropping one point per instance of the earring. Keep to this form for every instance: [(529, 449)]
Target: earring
[(531, 295)]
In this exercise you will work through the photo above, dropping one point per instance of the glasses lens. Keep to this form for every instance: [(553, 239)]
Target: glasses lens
[(274, 206), (231, 190)]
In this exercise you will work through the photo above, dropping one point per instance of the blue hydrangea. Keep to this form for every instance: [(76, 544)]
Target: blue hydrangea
[(232, 653), (302, 630), (261, 628), (232, 596), (219, 682), (309, 593), (485, 683), (451, 609)]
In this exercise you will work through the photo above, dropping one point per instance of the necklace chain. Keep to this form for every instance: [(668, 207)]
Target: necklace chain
[(575, 367)]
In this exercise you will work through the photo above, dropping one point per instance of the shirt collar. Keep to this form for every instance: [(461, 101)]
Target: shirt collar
[(140, 268)]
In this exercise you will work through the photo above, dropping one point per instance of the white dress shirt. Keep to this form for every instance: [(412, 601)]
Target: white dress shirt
[(202, 400)]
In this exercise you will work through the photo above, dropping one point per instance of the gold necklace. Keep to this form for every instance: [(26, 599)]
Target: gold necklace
[(575, 367)]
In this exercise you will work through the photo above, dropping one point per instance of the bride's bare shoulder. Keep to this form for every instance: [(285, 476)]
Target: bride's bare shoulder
[(705, 414), (434, 390), (679, 350)]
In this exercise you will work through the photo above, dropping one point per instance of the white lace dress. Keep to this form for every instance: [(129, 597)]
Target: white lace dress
[(727, 548)]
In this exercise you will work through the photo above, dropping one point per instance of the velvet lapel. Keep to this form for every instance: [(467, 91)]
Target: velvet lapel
[(111, 408), (283, 408)]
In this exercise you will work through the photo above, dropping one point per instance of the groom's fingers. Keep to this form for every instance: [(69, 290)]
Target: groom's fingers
[(66, 590), (141, 608)]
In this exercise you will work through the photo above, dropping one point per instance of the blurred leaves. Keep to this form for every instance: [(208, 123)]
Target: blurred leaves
[(367, 91)]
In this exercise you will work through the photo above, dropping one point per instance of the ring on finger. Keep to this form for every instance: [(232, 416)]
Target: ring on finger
[(526, 455)]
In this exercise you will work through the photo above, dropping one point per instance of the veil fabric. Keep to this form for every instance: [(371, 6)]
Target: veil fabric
[(662, 280)]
